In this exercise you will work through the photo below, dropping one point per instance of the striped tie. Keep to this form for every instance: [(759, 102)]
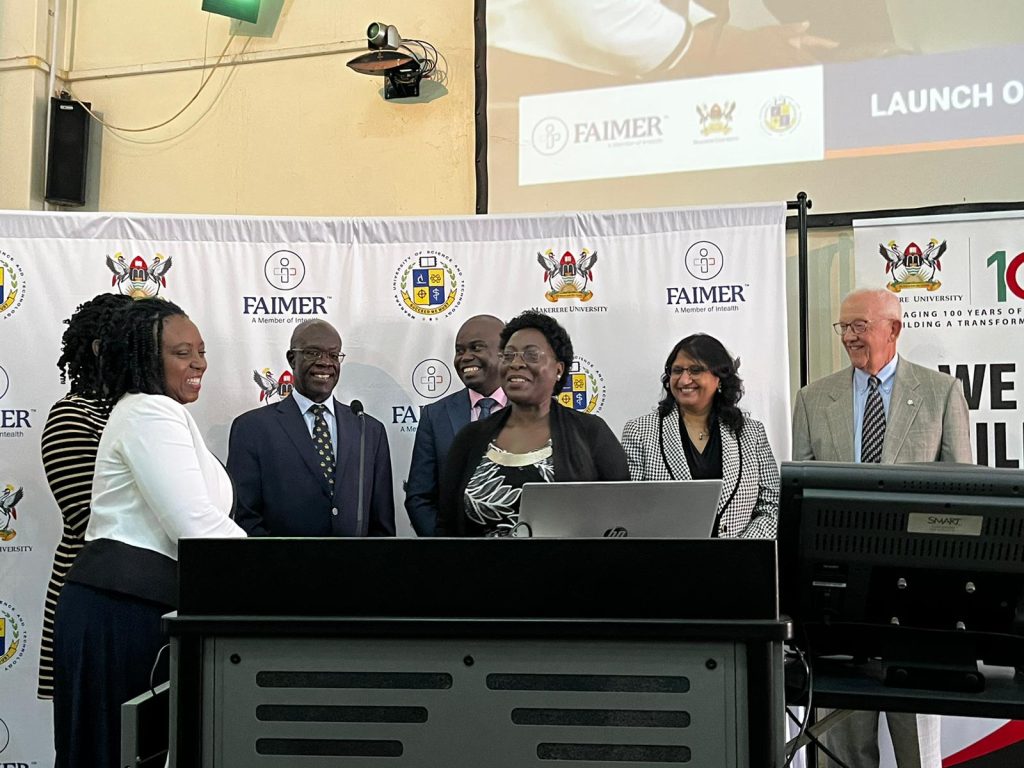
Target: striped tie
[(873, 433), (322, 442)]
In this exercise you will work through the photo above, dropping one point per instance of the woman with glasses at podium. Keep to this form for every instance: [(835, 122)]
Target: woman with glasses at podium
[(535, 439), (155, 482), (699, 433)]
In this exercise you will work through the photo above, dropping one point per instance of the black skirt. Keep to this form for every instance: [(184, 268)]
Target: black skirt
[(105, 644)]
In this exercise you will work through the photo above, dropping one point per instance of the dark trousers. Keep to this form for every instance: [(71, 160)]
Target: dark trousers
[(105, 644)]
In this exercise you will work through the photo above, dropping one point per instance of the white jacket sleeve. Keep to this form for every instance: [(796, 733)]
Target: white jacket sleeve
[(164, 460)]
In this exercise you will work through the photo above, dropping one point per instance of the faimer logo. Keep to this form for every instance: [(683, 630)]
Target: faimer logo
[(139, 279), (550, 136), (13, 421), (272, 389), (1007, 275), (780, 116), (12, 636), (704, 260), (584, 387), (431, 379), (911, 268), (12, 286), (428, 285), (284, 270)]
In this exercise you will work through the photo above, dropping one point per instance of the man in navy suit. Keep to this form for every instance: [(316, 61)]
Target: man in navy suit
[(295, 464), (476, 363)]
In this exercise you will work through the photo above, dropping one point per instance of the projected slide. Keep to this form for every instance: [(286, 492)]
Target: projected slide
[(610, 89)]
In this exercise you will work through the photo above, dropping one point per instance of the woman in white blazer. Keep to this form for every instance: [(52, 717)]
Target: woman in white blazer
[(155, 482), (699, 433)]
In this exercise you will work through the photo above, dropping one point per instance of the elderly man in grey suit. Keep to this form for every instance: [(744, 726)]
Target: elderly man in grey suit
[(881, 409)]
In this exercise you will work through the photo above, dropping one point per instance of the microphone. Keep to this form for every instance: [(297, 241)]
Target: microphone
[(357, 409)]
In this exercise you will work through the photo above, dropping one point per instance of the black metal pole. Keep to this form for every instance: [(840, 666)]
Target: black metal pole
[(801, 205)]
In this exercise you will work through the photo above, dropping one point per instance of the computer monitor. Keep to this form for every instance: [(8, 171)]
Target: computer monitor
[(921, 565)]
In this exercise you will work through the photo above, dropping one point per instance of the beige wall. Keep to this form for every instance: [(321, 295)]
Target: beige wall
[(24, 54), (292, 132)]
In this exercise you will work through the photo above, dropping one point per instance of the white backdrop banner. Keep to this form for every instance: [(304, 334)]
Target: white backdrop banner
[(626, 286), (960, 280)]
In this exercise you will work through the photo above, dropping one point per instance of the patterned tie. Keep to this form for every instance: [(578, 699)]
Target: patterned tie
[(486, 404), (873, 433), (322, 441)]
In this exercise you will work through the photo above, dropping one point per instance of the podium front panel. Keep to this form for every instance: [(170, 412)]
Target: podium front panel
[(308, 701)]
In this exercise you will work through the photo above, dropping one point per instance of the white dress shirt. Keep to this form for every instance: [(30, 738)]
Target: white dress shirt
[(887, 377), (156, 481)]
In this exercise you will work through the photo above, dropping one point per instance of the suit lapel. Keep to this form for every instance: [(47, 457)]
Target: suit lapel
[(840, 419), (458, 409), (730, 463), (904, 405), (294, 426), (673, 442)]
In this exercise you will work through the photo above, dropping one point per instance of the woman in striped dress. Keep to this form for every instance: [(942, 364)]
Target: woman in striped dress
[(70, 438)]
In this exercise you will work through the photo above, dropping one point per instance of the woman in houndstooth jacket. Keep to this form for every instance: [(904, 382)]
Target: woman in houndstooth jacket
[(699, 433)]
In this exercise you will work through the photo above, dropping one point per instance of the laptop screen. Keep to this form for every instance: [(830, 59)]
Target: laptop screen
[(674, 509)]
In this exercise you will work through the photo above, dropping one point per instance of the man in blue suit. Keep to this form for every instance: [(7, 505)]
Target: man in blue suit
[(295, 464), (476, 363)]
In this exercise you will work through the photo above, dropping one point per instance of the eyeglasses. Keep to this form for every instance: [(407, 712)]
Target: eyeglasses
[(857, 326), (311, 355), (694, 371), (530, 355)]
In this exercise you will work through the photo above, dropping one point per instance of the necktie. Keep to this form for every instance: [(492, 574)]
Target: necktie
[(873, 432), (486, 404), (322, 442)]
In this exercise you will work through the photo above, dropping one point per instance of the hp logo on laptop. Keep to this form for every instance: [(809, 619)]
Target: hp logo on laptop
[(616, 533)]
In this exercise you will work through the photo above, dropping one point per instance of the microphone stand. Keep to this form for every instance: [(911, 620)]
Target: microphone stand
[(357, 409)]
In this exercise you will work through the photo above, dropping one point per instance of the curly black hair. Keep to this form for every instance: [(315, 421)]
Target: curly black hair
[(709, 351), (555, 334), (78, 363), (130, 350)]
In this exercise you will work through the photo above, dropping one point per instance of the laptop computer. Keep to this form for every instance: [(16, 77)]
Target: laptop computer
[(673, 509)]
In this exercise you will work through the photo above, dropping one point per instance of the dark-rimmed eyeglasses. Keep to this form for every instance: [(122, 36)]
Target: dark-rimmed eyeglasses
[(311, 355), (693, 371)]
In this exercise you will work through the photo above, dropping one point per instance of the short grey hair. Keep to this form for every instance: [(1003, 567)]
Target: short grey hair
[(887, 300)]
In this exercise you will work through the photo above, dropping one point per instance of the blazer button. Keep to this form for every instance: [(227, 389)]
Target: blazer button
[(725, 529), (334, 511)]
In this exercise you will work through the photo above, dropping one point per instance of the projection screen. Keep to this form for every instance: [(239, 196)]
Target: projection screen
[(865, 103)]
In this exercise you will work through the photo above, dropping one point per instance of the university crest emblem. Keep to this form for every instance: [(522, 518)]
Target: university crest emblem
[(139, 279), (568, 277), (9, 499), (912, 267), (273, 390)]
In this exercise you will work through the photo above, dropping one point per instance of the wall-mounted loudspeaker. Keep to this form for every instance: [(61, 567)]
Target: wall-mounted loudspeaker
[(68, 152)]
